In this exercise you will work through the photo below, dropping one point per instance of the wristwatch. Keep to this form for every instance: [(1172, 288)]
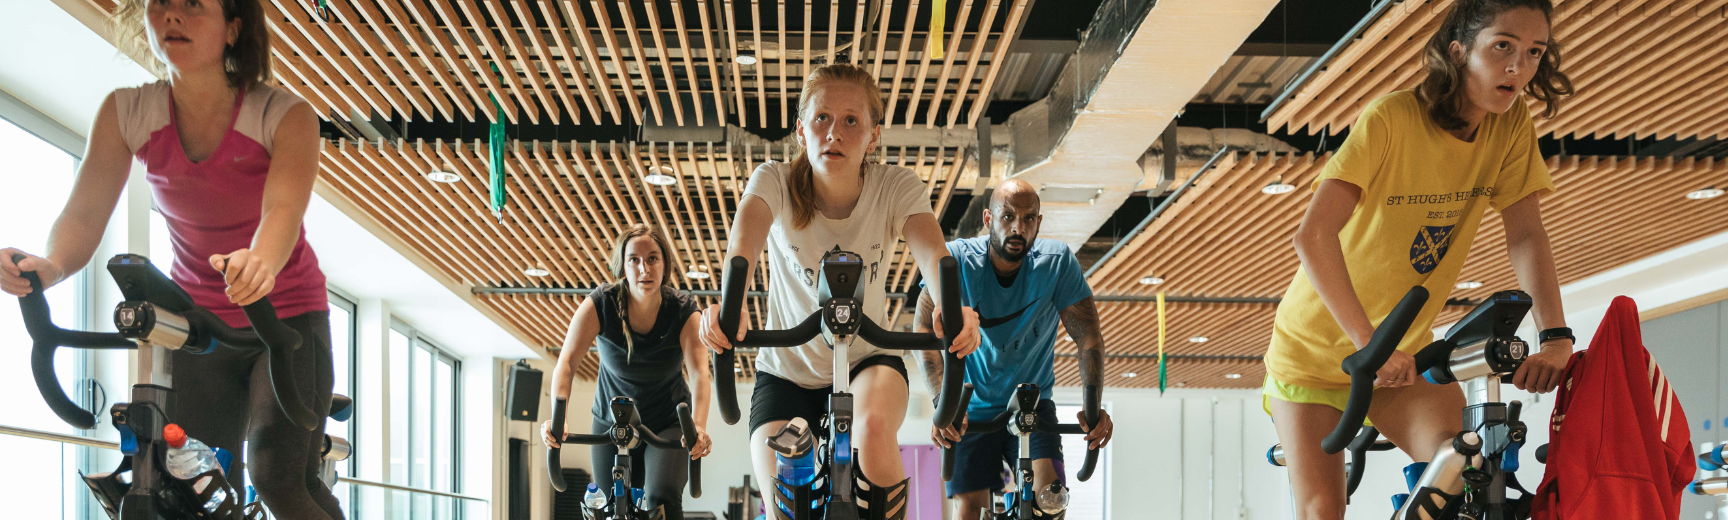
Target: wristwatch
[(1557, 333)]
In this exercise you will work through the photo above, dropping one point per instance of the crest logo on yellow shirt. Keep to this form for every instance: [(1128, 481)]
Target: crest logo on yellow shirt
[(1430, 247)]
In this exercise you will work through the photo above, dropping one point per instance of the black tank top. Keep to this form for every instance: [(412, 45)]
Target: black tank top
[(648, 368)]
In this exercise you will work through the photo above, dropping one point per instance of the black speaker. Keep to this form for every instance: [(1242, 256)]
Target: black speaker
[(523, 403)]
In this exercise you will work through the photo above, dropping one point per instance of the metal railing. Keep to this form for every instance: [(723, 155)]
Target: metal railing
[(106, 445)]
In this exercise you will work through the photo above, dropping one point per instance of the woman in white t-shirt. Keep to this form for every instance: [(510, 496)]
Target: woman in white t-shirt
[(827, 199)]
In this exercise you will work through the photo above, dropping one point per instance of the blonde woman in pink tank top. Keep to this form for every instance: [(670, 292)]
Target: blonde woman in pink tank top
[(231, 163)]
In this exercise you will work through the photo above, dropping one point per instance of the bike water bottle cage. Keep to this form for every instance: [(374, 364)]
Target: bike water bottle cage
[(793, 440)]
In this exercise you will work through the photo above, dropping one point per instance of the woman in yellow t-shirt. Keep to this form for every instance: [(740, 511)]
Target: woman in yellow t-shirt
[(1398, 206)]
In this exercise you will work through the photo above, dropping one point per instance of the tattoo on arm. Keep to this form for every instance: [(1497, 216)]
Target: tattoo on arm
[(1081, 320), (932, 360)]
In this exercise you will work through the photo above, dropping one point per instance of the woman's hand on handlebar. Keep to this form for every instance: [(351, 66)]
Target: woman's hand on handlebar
[(12, 274), (1097, 435), (712, 336), (703, 446), (1399, 370), (546, 435), (1543, 371), (947, 437), (967, 341), (248, 275)]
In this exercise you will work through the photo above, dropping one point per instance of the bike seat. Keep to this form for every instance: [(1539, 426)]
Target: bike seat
[(341, 407)]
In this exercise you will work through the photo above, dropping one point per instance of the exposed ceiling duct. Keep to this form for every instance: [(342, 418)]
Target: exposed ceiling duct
[(1137, 66)]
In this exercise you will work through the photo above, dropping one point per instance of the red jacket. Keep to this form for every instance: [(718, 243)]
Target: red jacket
[(1620, 446)]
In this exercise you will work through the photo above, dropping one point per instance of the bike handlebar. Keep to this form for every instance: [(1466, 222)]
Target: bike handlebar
[(687, 430), (732, 305), (1001, 421), (268, 332), (1363, 364)]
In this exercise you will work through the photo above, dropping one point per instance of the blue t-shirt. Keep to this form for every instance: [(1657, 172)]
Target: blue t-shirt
[(1018, 322)]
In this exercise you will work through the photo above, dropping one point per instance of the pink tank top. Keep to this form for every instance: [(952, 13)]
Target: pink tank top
[(214, 206)]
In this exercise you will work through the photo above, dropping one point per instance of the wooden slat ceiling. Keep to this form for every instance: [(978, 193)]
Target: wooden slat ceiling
[(1224, 238), (567, 204), (647, 62), (1642, 68), (1251, 79)]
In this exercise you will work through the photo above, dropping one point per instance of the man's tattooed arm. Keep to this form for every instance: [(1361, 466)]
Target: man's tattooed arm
[(932, 359), (1081, 320)]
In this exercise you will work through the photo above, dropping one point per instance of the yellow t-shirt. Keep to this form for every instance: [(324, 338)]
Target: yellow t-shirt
[(1423, 195)]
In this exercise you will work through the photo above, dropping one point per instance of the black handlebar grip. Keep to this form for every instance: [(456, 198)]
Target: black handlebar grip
[(1362, 365), (47, 339), (948, 453), (1091, 464), (949, 405), (1359, 449), (281, 341), (554, 464), (731, 307), (688, 425), (1542, 454), (1092, 400)]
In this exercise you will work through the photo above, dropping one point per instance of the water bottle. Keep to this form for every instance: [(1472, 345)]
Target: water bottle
[(796, 471), (641, 499), (1053, 499), (187, 458), (594, 498), (794, 458)]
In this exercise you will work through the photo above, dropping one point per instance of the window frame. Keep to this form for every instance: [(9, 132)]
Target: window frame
[(417, 340), (338, 299)]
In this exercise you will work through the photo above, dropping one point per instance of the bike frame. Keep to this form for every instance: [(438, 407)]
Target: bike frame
[(838, 321), (626, 434), (1021, 420)]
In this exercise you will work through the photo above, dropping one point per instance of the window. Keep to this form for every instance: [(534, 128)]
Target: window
[(343, 326), (1086, 500), (43, 177), (423, 448)]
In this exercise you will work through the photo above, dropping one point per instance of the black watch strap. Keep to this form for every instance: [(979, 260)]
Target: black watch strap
[(1557, 333)]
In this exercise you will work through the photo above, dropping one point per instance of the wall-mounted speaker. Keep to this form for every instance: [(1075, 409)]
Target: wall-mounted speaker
[(523, 402)]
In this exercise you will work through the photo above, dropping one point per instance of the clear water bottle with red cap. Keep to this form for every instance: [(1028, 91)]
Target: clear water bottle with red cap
[(187, 458)]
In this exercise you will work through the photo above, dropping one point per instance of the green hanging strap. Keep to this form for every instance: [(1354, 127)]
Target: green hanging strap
[(495, 145)]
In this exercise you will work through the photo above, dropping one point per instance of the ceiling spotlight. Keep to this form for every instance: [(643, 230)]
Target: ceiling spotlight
[(696, 275), (737, 370), (1468, 284), (744, 58), (1180, 384), (1706, 193), (443, 177), (1199, 339), (1278, 188), (1130, 374), (660, 176), (536, 272), (1232, 376), (1151, 280)]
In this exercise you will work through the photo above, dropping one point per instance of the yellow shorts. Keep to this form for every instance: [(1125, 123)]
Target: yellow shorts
[(1275, 389)]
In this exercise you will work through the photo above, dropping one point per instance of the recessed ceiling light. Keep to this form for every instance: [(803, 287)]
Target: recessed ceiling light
[(1706, 193), (1232, 376), (1130, 374), (660, 176), (1151, 280), (1278, 188), (441, 176), (1468, 284), (1199, 339), (696, 275), (737, 369), (744, 58), (536, 271), (1180, 384)]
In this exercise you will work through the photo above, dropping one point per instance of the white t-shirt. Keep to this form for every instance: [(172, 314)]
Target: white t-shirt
[(890, 195)]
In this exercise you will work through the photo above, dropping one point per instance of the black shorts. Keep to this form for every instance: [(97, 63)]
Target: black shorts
[(776, 399)]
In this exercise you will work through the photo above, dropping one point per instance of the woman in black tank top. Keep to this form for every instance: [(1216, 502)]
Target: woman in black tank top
[(645, 332)]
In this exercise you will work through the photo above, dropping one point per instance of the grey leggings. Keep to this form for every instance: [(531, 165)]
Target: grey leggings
[(224, 398), (666, 471)]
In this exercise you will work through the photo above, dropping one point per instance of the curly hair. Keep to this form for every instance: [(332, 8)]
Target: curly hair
[(1442, 91)]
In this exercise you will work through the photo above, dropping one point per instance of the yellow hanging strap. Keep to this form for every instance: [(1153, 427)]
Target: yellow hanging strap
[(1161, 365), (938, 11)]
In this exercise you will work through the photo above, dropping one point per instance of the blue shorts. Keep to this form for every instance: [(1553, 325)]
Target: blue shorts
[(982, 460)]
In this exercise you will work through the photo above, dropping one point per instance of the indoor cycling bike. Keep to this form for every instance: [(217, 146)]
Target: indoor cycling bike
[(158, 318), (626, 434), (1021, 419), (830, 494), (1467, 478)]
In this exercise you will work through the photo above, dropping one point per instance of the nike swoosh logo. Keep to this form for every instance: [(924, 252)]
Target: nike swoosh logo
[(988, 323)]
